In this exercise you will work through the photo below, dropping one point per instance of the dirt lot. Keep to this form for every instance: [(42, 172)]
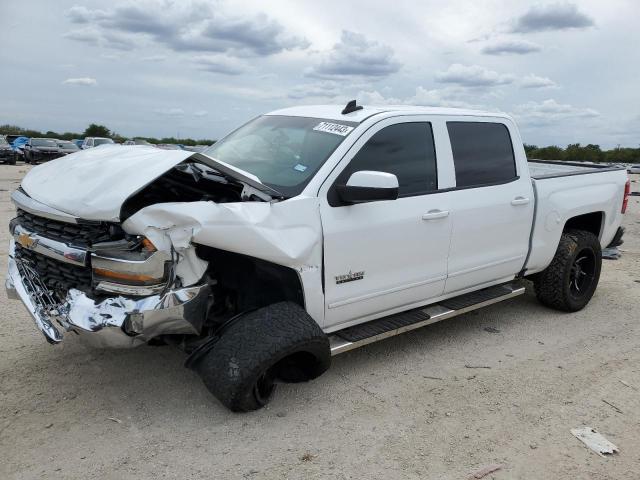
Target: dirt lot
[(408, 407)]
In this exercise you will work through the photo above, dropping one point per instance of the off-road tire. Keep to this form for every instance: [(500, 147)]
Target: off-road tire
[(554, 285), (257, 349)]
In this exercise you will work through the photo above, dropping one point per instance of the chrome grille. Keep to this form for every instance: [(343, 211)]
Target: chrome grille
[(56, 275), (79, 234)]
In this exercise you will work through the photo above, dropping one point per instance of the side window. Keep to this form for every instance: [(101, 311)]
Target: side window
[(404, 149), (482, 153)]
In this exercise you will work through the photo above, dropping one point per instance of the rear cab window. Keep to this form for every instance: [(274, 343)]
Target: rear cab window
[(482, 153)]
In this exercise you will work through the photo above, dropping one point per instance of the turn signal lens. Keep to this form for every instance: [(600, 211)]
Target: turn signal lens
[(127, 277), (148, 245)]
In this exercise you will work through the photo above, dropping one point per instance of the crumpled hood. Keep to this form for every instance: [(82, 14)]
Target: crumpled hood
[(93, 184)]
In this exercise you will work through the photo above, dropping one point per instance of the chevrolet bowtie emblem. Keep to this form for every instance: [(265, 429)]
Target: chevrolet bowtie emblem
[(26, 241)]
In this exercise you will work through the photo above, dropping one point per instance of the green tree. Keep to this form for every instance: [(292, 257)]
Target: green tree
[(95, 130), (530, 150), (549, 153)]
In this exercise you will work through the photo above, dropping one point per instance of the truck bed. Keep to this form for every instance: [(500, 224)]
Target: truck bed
[(540, 169)]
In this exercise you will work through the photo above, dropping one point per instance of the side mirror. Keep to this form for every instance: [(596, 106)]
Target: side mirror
[(367, 186)]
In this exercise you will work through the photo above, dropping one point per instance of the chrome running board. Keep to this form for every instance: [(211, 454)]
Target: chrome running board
[(376, 330)]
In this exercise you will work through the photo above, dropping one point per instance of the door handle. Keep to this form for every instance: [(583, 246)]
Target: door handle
[(435, 214), (520, 201)]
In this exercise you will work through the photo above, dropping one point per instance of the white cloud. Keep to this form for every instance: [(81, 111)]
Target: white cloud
[(374, 97), (84, 81), (443, 97), (510, 47), (317, 90), (534, 81), (356, 55), (550, 112), (200, 113), (472, 76)]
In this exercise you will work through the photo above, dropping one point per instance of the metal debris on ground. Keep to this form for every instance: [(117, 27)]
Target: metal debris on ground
[(596, 442), (113, 419), (611, 253), (484, 471), (476, 366), (491, 330)]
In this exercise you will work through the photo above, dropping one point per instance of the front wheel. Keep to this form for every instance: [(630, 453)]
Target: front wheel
[(280, 342), (570, 281)]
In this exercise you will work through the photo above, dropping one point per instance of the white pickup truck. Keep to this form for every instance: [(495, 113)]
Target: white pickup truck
[(303, 234)]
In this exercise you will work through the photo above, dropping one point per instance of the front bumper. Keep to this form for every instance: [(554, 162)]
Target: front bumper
[(117, 322), (45, 156)]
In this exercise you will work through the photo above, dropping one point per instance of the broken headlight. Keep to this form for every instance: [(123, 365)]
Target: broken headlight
[(130, 267)]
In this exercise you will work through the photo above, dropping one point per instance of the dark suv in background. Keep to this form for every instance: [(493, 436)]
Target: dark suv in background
[(41, 149)]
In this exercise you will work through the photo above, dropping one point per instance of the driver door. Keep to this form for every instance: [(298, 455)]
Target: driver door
[(385, 256)]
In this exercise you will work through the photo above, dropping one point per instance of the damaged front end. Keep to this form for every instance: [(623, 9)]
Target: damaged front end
[(123, 246), (93, 278)]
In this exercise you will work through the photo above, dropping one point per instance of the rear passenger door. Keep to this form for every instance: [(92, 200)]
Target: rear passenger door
[(393, 254), (491, 205)]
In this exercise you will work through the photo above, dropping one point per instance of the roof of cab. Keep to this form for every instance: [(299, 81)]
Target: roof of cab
[(334, 112)]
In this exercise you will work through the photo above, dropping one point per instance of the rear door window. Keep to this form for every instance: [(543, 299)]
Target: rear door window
[(482, 153)]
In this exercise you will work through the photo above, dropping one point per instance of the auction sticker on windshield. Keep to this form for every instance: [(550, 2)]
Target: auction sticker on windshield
[(335, 128)]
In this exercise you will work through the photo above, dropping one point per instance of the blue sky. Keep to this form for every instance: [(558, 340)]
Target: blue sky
[(567, 71)]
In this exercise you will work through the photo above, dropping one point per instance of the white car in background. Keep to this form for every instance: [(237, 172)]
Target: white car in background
[(91, 142), (633, 169)]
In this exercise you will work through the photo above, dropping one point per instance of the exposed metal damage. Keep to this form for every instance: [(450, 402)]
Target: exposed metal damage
[(148, 277)]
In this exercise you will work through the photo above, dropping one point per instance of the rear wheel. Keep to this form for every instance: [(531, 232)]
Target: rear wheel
[(280, 342), (570, 281)]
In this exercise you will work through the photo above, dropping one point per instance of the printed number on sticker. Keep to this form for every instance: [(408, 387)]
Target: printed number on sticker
[(335, 128)]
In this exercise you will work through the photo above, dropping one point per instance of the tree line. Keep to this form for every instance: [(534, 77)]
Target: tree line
[(95, 130), (574, 151), (587, 153)]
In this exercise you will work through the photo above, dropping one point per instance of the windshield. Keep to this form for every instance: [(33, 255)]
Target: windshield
[(283, 152), (101, 141), (43, 142)]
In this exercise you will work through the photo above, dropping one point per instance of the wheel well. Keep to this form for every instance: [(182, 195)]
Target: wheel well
[(245, 283), (590, 222)]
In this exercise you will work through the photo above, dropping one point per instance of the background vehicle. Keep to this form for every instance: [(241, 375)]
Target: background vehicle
[(40, 150), (11, 138), (168, 146), (634, 169), (136, 141), (7, 156), (91, 142), (17, 145), (78, 142), (305, 233), (67, 147), (195, 148)]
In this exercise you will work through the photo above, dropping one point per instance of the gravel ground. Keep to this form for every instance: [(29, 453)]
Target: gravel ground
[(408, 407)]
